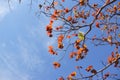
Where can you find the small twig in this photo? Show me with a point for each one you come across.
(101, 70)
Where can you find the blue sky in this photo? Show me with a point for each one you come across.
(23, 46)
(23, 49)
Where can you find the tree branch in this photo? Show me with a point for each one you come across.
(101, 70)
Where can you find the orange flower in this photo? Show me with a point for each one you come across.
(97, 25)
(68, 36)
(56, 64)
(63, 0)
(49, 34)
(73, 74)
(60, 11)
(60, 38)
(93, 71)
(118, 3)
(109, 38)
(66, 10)
(74, 34)
(59, 27)
(80, 50)
(72, 54)
(48, 27)
(78, 41)
(77, 47)
(69, 18)
(110, 59)
(69, 77)
(54, 17)
(60, 45)
(50, 47)
(79, 57)
(89, 68)
(107, 1)
(106, 75)
(84, 46)
(55, 3)
(51, 22)
(51, 51)
(49, 30)
(115, 8)
(61, 78)
(55, 12)
(117, 55)
(78, 67)
(82, 2)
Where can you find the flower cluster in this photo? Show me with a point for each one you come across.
(51, 51)
(60, 41)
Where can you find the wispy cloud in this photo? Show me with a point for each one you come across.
(18, 65)
(29, 54)
(22, 55)
(4, 9)
(9, 71)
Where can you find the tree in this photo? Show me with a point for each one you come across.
(80, 24)
(83, 14)
(89, 16)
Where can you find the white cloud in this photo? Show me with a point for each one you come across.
(23, 56)
(4, 9)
